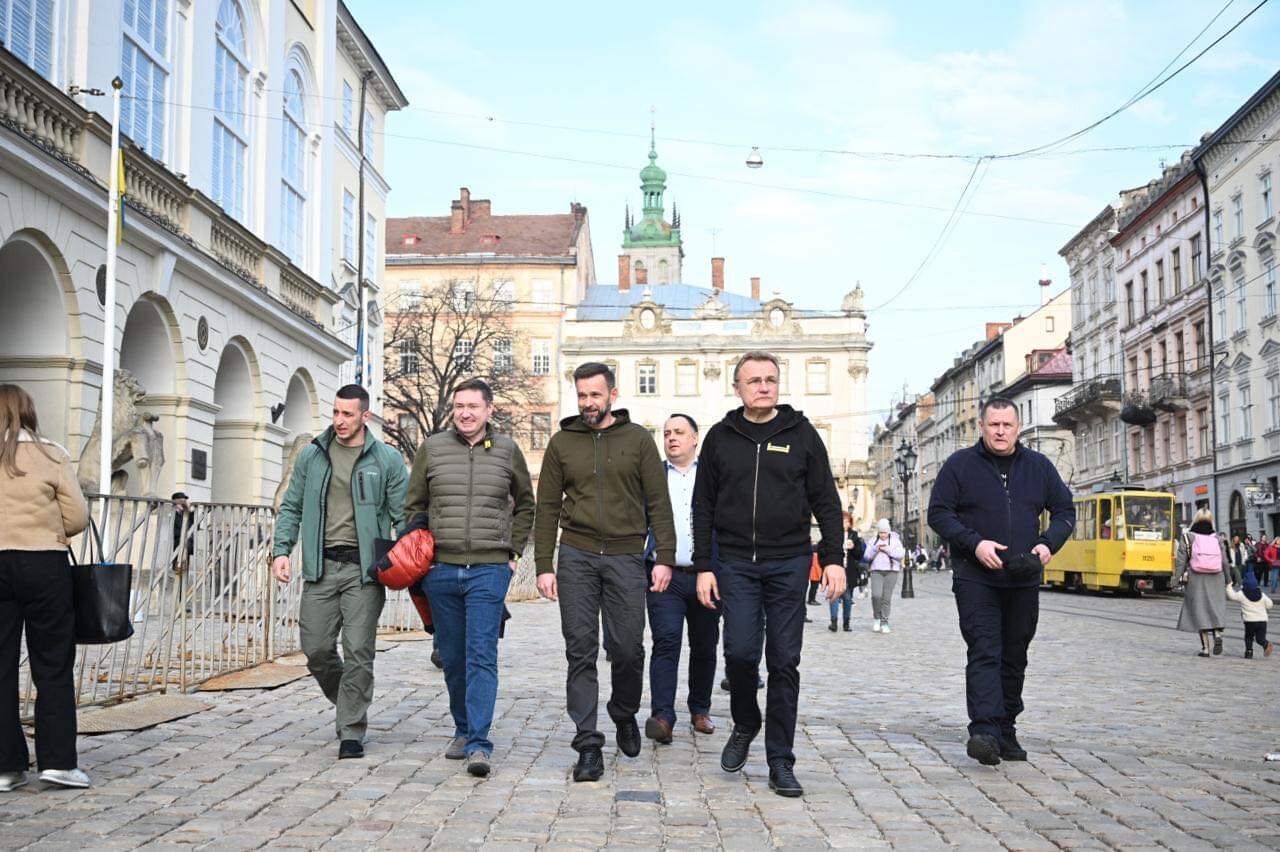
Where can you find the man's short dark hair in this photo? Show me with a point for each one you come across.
(997, 402)
(355, 392)
(591, 369)
(178, 495)
(693, 424)
(476, 385)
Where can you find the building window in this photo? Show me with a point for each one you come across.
(1182, 447)
(1048, 324)
(1179, 360)
(26, 29)
(816, 377)
(503, 361)
(410, 361)
(647, 379)
(1242, 310)
(542, 357)
(1217, 229)
(348, 108)
(348, 227)
(1166, 444)
(686, 379)
(1269, 304)
(1146, 305)
(504, 294)
(1175, 260)
(408, 427)
(1237, 215)
(144, 67)
(410, 296)
(464, 296)
(1195, 258)
(1099, 444)
(1221, 298)
(1246, 412)
(1265, 188)
(540, 431)
(1128, 301)
(1201, 343)
(1117, 441)
(293, 192)
(230, 136)
(1224, 418)
(1273, 403)
(541, 291)
(1092, 295)
(1202, 431)
(370, 245)
(462, 351)
(366, 142)
(1159, 282)
(1108, 285)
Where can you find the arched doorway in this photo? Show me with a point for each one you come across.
(34, 341)
(235, 428)
(300, 411)
(147, 353)
(1236, 516)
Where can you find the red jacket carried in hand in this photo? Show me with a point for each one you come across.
(406, 563)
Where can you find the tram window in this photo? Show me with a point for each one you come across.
(1104, 519)
(1148, 518)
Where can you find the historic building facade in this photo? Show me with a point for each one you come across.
(229, 305)
(1159, 263)
(1241, 176)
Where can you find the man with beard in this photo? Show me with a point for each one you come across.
(603, 484)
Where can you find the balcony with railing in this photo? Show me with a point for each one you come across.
(1169, 392)
(1088, 399)
(52, 122)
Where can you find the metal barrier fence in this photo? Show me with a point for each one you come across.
(203, 602)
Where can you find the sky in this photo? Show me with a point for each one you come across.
(535, 106)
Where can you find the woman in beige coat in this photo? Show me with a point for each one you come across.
(41, 507)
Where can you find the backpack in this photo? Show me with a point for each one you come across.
(1206, 554)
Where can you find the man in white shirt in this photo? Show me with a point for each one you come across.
(673, 600)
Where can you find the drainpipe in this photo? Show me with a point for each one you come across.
(360, 230)
(1213, 387)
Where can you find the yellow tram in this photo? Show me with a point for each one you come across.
(1123, 541)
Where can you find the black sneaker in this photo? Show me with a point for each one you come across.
(1248, 655)
(590, 765)
(724, 684)
(985, 749)
(734, 756)
(783, 781)
(832, 628)
(1217, 645)
(1010, 748)
(350, 748)
(629, 737)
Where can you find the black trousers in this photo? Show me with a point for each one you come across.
(1255, 631)
(35, 591)
(997, 624)
(764, 604)
(669, 611)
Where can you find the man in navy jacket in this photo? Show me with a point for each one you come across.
(986, 503)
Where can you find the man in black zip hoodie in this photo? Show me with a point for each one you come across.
(986, 504)
(763, 475)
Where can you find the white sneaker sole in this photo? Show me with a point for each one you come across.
(65, 782)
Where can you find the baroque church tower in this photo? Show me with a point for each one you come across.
(653, 244)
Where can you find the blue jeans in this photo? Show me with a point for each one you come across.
(845, 600)
(668, 612)
(466, 608)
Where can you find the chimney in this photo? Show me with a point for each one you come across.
(642, 274)
(479, 207)
(755, 288)
(460, 212)
(1045, 284)
(994, 329)
(624, 273)
(717, 273)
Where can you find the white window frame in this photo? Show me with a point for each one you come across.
(410, 298)
(504, 293)
(230, 190)
(463, 355)
(145, 68)
(503, 355)
(1264, 186)
(1217, 228)
(1237, 214)
(368, 133)
(410, 357)
(1224, 418)
(647, 379)
(1242, 308)
(464, 296)
(348, 108)
(293, 164)
(1273, 402)
(541, 357)
(33, 43)
(349, 228)
(686, 378)
(370, 245)
(1246, 412)
(817, 376)
(542, 293)
(1269, 270)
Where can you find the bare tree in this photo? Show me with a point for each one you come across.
(439, 338)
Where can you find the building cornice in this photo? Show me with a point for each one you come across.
(353, 39)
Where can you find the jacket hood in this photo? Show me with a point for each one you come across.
(787, 416)
(1250, 587)
(576, 424)
(1202, 528)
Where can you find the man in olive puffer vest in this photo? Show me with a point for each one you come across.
(474, 486)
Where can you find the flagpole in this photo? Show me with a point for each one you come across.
(114, 200)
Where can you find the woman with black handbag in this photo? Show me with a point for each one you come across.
(42, 507)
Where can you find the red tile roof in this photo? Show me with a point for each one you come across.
(1059, 364)
(546, 235)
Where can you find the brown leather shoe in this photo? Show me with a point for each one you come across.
(701, 722)
(658, 730)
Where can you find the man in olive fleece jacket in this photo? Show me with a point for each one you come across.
(603, 484)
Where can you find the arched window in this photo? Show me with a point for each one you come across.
(26, 29)
(293, 171)
(230, 134)
(144, 67)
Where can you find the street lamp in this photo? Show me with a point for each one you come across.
(905, 462)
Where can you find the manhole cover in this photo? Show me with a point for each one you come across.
(265, 676)
(145, 712)
(652, 796)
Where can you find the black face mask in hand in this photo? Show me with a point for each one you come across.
(1024, 566)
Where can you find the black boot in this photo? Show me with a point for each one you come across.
(832, 628)
(847, 628)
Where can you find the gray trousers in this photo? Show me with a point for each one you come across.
(592, 587)
(882, 585)
(339, 604)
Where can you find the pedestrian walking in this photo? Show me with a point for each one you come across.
(854, 550)
(347, 490)
(42, 507)
(473, 486)
(603, 484)
(941, 560)
(815, 578)
(854, 547)
(763, 475)
(1273, 564)
(1202, 566)
(884, 556)
(986, 504)
(672, 600)
(1240, 557)
(1253, 612)
(184, 540)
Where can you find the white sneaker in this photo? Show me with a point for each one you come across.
(65, 777)
(12, 781)
(875, 625)
(884, 628)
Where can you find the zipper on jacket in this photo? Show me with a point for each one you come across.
(595, 469)
(471, 484)
(755, 491)
(1008, 496)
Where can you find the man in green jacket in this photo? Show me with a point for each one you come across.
(473, 484)
(347, 489)
(604, 485)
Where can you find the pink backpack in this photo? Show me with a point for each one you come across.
(1206, 555)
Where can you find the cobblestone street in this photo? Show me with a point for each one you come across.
(1135, 743)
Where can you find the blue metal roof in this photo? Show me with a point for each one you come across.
(605, 302)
